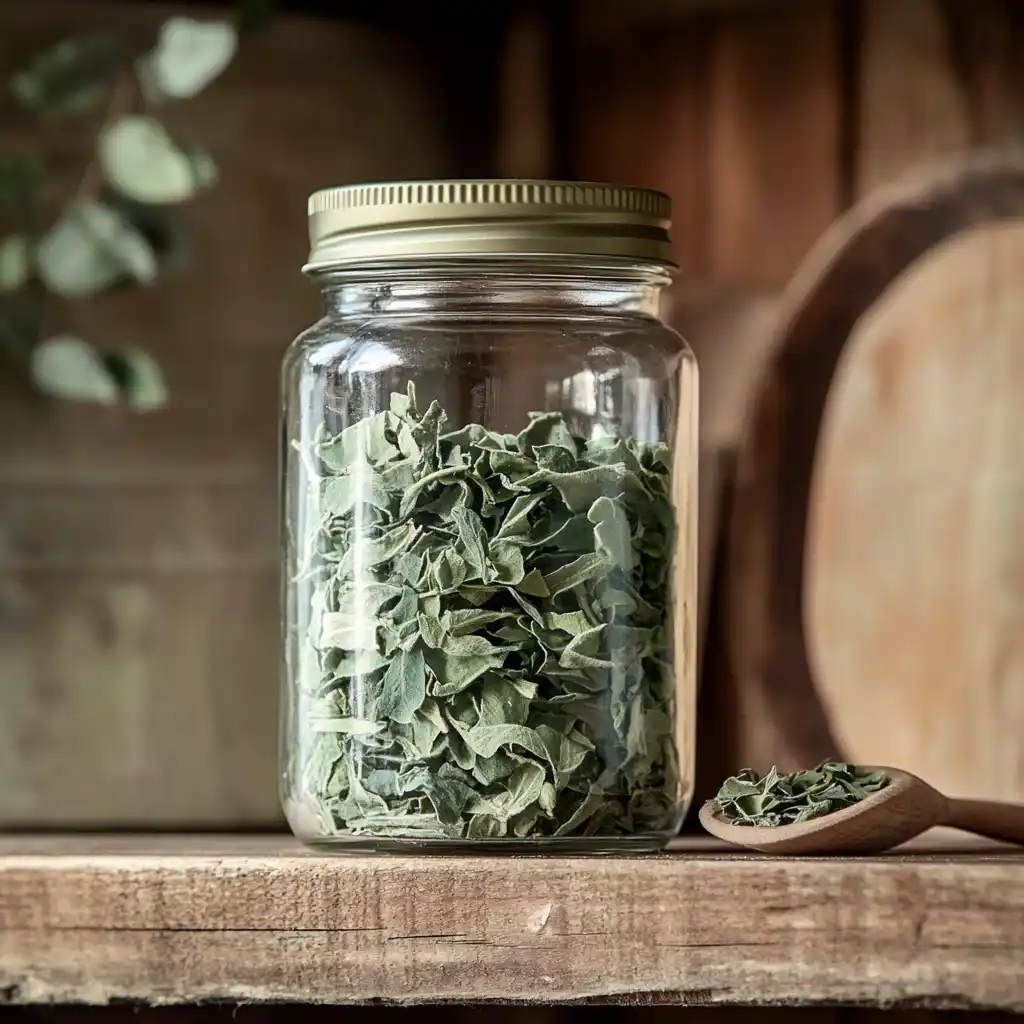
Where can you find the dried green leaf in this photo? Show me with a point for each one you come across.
(461, 661)
(613, 533)
(580, 570)
(448, 795)
(484, 826)
(349, 726)
(770, 800)
(405, 687)
(498, 604)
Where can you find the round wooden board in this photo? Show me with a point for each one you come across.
(873, 606)
(915, 558)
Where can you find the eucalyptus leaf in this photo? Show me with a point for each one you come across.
(90, 248)
(189, 54)
(141, 161)
(203, 167)
(71, 76)
(67, 367)
(158, 225)
(138, 377)
(499, 605)
(14, 262)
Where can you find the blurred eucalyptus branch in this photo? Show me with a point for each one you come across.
(116, 227)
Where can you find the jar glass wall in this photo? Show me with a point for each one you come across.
(488, 525)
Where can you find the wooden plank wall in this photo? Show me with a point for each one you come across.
(737, 115)
(138, 554)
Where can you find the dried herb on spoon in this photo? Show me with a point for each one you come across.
(770, 800)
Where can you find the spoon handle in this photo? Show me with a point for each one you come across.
(988, 818)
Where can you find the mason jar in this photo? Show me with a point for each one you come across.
(489, 455)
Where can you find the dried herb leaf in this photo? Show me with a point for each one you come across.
(488, 628)
(769, 800)
(405, 687)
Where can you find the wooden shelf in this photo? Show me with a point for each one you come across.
(181, 919)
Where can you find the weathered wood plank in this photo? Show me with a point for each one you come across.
(172, 920)
(936, 78)
(640, 118)
(134, 696)
(610, 17)
(181, 525)
(775, 180)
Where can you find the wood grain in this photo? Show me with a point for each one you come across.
(167, 921)
(138, 554)
(729, 329)
(936, 78)
(640, 118)
(526, 142)
(916, 564)
(775, 181)
(609, 17)
(736, 114)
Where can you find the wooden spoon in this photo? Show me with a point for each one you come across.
(906, 807)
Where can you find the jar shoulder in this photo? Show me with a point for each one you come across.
(333, 340)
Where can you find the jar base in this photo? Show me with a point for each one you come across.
(569, 846)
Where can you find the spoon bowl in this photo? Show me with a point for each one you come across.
(905, 808)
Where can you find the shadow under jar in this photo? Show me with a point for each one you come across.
(489, 453)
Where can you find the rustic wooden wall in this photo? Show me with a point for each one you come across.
(138, 555)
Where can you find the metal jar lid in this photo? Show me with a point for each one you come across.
(502, 217)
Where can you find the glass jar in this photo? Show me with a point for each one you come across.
(489, 452)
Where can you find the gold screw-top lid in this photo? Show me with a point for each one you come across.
(395, 220)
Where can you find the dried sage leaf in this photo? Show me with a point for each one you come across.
(770, 800)
(487, 636)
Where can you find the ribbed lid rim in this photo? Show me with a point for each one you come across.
(387, 220)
